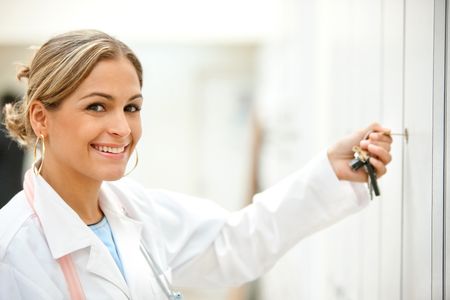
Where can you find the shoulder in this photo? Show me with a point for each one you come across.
(135, 198)
(13, 217)
(182, 225)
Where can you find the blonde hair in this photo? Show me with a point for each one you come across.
(57, 69)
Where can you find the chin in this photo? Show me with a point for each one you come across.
(112, 178)
(111, 175)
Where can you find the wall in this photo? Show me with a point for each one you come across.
(337, 66)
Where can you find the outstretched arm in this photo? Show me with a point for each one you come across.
(250, 241)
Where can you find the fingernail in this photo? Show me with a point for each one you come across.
(364, 144)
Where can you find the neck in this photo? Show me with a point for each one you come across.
(79, 192)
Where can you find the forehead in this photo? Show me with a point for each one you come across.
(112, 74)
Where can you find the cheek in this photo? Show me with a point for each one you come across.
(136, 130)
(60, 130)
(71, 134)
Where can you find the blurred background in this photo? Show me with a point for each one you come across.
(238, 94)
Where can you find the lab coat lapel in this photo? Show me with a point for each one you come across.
(66, 233)
(102, 264)
(127, 235)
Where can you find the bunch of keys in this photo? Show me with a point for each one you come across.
(362, 160)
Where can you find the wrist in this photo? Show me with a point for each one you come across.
(333, 162)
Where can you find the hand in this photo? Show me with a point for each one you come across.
(377, 144)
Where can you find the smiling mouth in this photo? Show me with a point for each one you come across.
(112, 150)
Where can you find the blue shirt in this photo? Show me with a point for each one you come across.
(104, 233)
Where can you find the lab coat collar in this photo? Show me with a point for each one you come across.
(127, 235)
(54, 213)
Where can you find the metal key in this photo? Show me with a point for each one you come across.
(373, 184)
(362, 159)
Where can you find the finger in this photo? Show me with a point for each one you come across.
(379, 153)
(380, 167)
(374, 128)
(365, 144)
(379, 136)
(377, 127)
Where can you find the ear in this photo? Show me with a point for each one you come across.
(38, 118)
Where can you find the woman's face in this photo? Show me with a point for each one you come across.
(93, 132)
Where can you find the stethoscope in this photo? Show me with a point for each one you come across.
(160, 276)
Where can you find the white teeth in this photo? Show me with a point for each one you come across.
(109, 149)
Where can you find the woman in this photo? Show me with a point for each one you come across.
(81, 230)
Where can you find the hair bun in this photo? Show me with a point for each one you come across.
(24, 72)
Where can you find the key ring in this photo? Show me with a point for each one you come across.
(362, 159)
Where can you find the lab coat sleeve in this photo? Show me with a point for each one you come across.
(251, 240)
(14, 285)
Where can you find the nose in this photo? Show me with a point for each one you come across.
(119, 125)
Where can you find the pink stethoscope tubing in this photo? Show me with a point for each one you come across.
(70, 274)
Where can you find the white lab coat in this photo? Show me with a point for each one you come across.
(195, 242)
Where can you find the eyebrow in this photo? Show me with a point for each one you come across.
(108, 97)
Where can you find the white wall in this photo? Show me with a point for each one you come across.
(337, 66)
(10, 59)
(23, 21)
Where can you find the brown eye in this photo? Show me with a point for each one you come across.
(132, 108)
(96, 107)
